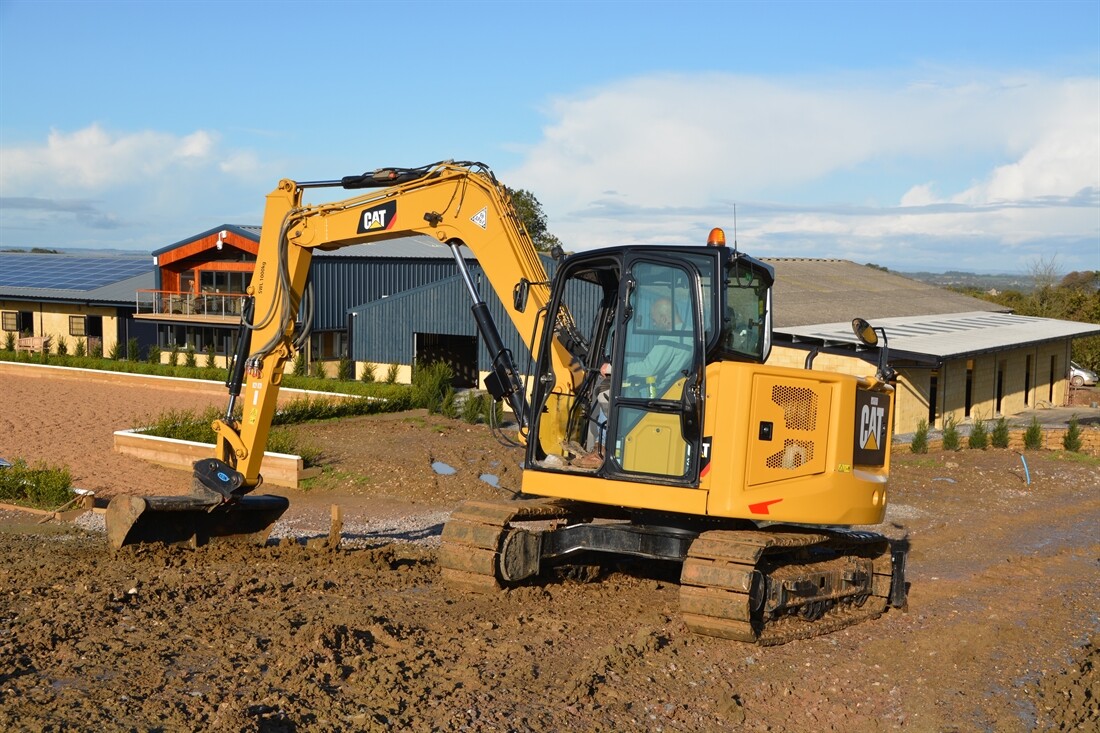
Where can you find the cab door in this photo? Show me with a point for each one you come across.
(657, 373)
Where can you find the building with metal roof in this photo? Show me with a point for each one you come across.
(69, 297)
(955, 355)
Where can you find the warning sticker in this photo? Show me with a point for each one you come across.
(481, 218)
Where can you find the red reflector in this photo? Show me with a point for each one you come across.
(762, 507)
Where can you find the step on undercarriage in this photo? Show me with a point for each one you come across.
(766, 586)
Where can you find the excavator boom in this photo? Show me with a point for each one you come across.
(453, 203)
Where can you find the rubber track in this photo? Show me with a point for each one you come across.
(469, 555)
(717, 576)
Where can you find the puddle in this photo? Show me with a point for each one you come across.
(442, 468)
(490, 479)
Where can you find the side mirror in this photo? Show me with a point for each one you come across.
(519, 295)
(865, 332)
(868, 336)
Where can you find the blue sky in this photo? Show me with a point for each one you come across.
(920, 136)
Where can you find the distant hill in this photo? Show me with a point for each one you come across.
(984, 283)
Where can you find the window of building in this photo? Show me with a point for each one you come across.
(1027, 381)
(179, 337)
(78, 326)
(328, 345)
(19, 321)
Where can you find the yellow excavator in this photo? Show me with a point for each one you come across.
(652, 427)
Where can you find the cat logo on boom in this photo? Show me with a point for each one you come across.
(378, 218)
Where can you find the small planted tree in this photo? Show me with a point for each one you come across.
(115, 353)
(431, 385)
(368, 372)
(950, 433)
(9, 341)
(133, 351)
(153, 354)
(345, 369)
(299, 367)
(81, 348)
(174, 356)
(211, 357)
(391, 374)
(1033, 436)
(189, 360)
(920, 438)
(62, 346)
(999, 436)
(979, 436)
(1071, 441)
(473, 409)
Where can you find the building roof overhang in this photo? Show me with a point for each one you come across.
(942, 337)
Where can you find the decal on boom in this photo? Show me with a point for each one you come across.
(378, 218)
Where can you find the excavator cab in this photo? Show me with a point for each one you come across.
(656, 316)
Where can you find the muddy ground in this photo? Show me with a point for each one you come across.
(1002, 631)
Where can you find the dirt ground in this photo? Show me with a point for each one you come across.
(1002, 631)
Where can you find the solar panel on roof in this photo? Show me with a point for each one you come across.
(68, 272)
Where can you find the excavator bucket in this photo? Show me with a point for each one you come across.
(191, 520)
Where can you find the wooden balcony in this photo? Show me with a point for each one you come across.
(171, 305)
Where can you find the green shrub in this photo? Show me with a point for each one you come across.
(345, 369)
(95, 347)
(920, 438)
(368, 372)
(391, 374)
(211, 357)
(1071, 441)
(473, 409)
(62, 346)
(299, 367)
(189, 360)
(317, 370)
(153, 354)
(1033, 436)
(115, 353)
(431, 384)
(9, 341)
(43, 486)
(999, 437)
(979, 436)
(281, 440)
(448, 406)
(81, 348)
(133, 350)
(183, 424)
(174, 356)
(950, 433)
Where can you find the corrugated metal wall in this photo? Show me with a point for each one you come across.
(342, 283)
(383, 331)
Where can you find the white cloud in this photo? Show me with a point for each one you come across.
(662, 158)
(93, 159)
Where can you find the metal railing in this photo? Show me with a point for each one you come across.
(172, 302)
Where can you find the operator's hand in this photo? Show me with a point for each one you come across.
(605, 370)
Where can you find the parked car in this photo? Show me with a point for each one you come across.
(1081, 377)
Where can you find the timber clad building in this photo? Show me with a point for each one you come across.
(402, 302)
